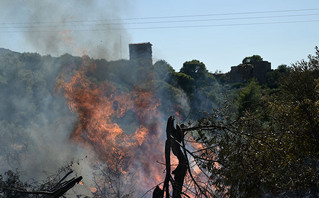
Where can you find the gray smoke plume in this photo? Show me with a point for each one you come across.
(76, 26)
(35, 122)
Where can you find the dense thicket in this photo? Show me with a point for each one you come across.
(264, 140)
(35, 119)
(269, 146)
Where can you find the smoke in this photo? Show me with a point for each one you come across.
(34, 121)
(41, 118)
(76, 27)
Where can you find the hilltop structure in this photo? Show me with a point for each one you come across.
(141, 53)
(245, 72)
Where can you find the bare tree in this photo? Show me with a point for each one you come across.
(184, 181)
(55, 186)
(112, 180)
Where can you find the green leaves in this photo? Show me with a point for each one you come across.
(249, 98)
(194, 69)
(271, 147)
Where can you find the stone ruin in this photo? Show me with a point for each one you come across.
(245, 72)
(141, 53)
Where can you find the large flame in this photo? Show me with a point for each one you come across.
(123, 129)
(103, 112)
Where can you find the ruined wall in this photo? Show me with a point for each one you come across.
(245, 72)
(240, 73)
(260, 70)
(141, 53)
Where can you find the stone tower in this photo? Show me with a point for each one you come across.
(260, 71)
(141, 53)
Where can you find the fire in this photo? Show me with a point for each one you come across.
(92, 189)
(122, 128)
(101, 110)
(140, 135)
(200, 174)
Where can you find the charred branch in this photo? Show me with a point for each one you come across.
(173, 141)
(158, 192)
(169, 128)
(181, 169)
(58, 190)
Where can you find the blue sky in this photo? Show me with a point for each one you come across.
(218, 33)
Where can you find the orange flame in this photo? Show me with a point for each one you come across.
(121, 127)
(92, 189)
(101, 109)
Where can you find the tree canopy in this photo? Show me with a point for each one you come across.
(194, 69)
(274, 151)
(252, 59)
(257, 140)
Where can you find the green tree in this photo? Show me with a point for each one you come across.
(252, 59)
(275, 76)
(163, 70)
(248, 99)
(194, 69)
(186, 82)
(272, 154)
(200, 86)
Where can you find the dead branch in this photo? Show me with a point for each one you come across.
(58, 190)
(181, 169)
(173, 141)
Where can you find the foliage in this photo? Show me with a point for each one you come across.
(252, 59)
(186, 82)
(275, 76)
(248, 98)
(267, 146)
(27, 100)
(201, 87)
(194, 69)
(271, 153)
(163, 70)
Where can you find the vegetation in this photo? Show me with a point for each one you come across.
(269, 147)
(53, 186)
(252, 59)
(263, 141)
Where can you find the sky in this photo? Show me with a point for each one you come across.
(218, 33)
